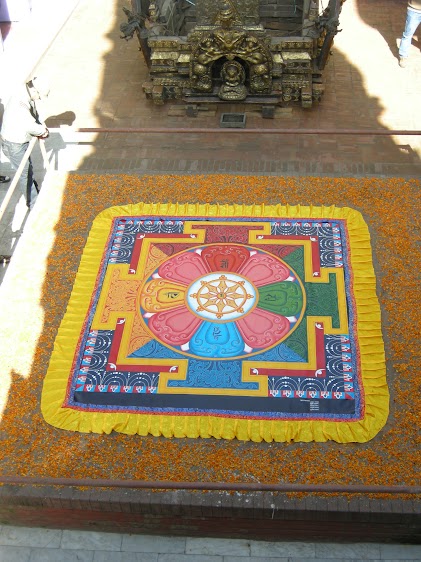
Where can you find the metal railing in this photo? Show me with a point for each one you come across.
(216, 486)
(253, 131)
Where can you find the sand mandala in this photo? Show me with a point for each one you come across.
(260, 323)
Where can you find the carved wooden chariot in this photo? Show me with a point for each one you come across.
(264, 52)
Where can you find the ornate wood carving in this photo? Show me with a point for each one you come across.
(231, 44)
(246, 11)
(234, 50)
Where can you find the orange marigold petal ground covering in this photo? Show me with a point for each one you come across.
(389, 206)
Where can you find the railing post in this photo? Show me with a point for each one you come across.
(44, 154)
(18, 174)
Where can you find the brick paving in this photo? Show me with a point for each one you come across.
(99, 77)
(365, 89)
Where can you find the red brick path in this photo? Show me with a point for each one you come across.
(100, 77)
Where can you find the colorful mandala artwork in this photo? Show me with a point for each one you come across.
(260, 323)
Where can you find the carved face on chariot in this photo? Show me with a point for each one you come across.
(232, 73)
(233, 77)
(226, 15)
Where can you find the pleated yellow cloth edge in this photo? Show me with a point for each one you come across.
(367, 316)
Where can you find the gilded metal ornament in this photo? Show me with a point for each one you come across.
(268, 52)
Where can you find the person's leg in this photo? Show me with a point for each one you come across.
(29, 183)
(15, 153)
(413, 20)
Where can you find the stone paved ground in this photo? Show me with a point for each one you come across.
(19, 544)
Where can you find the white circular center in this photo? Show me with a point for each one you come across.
(221, 296)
